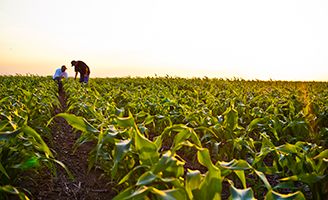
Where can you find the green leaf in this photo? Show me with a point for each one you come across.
(124, 194)
(140, 193)
(3, 99)
(169, 165)
(98, 147)
(78, 123)
(172, 194)
(230, 118)
(305, 178)
(264, 179)
(12, 190)
(272, 195)
(70, 175)
(211, 186)
(238, 166)
(193, 180)
(121, 148)
(149, 119)
(9, 189)
(241, 176)
(181, 137)
(323, 154)
(235, 165)
(254, 124)
(287, 148)
(126, 122)
(286, 185)
(164, 162)
(40, 143)
(3, 170)
(146, 178)
(204, 158)
(238, 194)
(126, 177)
(29, 163)
(175, 169)
(9, 134)
(146, 149)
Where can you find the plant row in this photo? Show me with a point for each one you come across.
(174, 138)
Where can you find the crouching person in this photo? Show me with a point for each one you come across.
(59, 75)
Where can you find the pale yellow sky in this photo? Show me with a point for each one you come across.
(254, 39)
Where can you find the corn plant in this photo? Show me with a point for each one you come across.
(272, 129)
(26, 105)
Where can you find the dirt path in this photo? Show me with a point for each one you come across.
(85, 185)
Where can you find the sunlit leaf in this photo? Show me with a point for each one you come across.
(305, 178)
(272, 195)
(40, 143)
(9, 134)
(241, 194)
(78, 123)
(146, 178)
(121, 148)
(146, 149)
(235, 165)
(193, 180)
(172, 194)
(29, 163)
(323, 154)
(264, 179)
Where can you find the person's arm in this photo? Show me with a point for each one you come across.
(64, 75)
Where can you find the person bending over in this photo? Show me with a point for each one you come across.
(83, 69)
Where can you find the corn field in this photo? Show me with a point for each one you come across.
(173, 138)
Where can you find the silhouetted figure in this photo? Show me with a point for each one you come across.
(83, 69)
(59, 75)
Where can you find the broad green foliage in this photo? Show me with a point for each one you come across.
(175, 138)
(27, 103)
(159, 137)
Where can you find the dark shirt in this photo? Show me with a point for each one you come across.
(81, 67)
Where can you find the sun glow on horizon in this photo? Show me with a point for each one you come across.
(280, 40)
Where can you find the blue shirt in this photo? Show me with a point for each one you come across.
(59, 73)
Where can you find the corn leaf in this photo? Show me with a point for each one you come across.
(272, 195)
(172, 194)
(125, 122)
(263, 178)
(323, 154)
(244, 194)
(235, 165)
(9, 189)
(131, 173)
(40, 143)
(3, 170)
(305, 178)
(78, 123)
(147, 178)
(193, 180)
(121, 148)
(146, 149)
(9, 134)
(211, 186)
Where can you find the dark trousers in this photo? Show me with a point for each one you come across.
(84, 78)
(60, 84)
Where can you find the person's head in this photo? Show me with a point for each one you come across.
(73, 63)
(63, 68)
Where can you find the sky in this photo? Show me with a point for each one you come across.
(253, 39)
